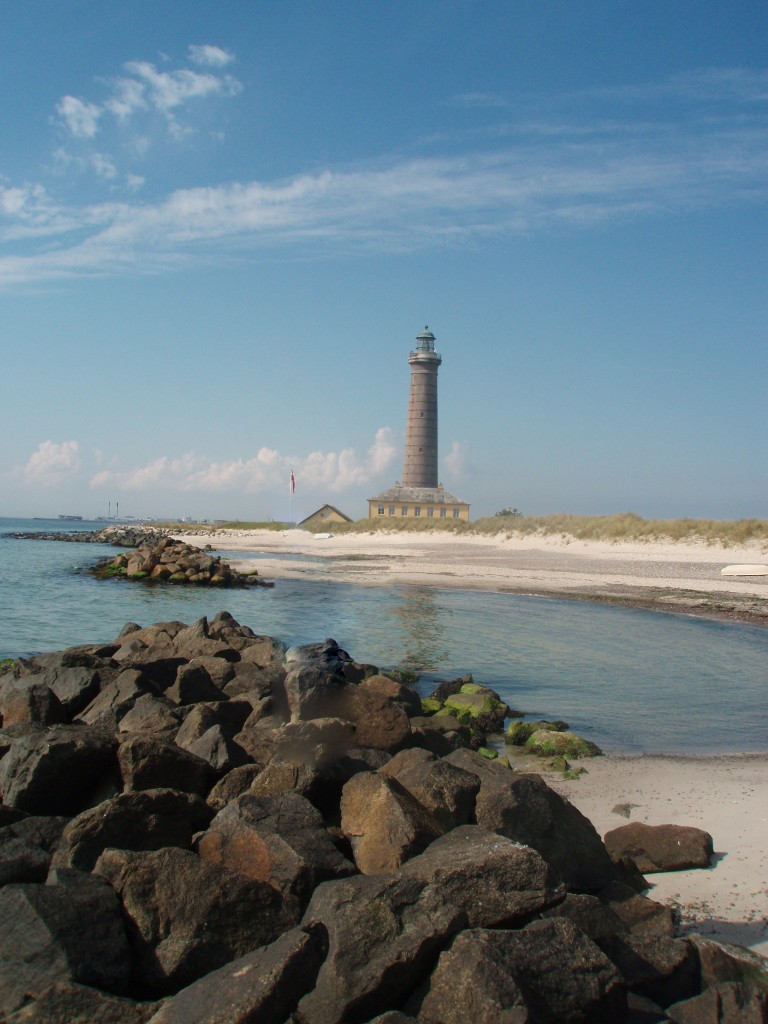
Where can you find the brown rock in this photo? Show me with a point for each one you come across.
(660, 847)
(384, 823)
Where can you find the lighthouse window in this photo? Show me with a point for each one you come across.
(455, 513)
(417, 511)
(404, 510)
(381, 510)
(442, 513)
(430, 513)
(391, 510)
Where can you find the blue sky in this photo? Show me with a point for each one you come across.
(223, 224)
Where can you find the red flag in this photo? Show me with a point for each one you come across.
(293, 482)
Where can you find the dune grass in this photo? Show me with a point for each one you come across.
(627, 526)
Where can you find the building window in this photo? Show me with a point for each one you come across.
(417, 511)
(455, 513)
(381, 510)
(442, 513)
(430, 513)
(391, 510)
(404, 510)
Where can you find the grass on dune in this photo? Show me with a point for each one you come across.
(627, 526)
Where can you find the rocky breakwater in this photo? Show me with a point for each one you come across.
(165, 560)
(198, 829)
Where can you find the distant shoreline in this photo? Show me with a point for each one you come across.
(682, 578)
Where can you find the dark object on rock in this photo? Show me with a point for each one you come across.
(660, 847)
(262, 987)
(51, 933)
(147, 820)
(549, 969)
(326, 656)
(384, 933)
(186, 917)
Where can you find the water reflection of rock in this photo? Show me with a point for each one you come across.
(423, 623)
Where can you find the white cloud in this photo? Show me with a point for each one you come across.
(455, 461)
(145, 89)
(80, 117)
(51, 463)
(210, 56)
(267, 470)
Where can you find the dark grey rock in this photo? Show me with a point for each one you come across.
(384, 934)
(262, 987)
(146, 820)
(149, 762)
(185, 917)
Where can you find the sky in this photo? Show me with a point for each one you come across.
(222, 226)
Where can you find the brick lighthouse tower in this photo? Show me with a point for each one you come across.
(420, 458)
(420, 496)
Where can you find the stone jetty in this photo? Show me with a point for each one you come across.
(198, 827)
(156, 557)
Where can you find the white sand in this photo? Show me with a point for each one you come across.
(726, 796)
(520, 564)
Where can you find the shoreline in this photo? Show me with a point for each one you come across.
(666, 577)
(727, 796)
(724, 794)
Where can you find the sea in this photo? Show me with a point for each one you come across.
(630, 680)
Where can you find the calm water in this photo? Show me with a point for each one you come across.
(630, 680)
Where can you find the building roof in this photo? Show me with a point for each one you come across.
(419, 495)
(330, 508)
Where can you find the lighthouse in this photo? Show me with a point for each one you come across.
(420, 495)
(420, 455)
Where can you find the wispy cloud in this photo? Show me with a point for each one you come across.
(540, 172)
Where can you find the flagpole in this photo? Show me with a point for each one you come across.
(291, 489)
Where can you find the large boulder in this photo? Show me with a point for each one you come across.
(523, 807)
(497, 882)
(146, 820)
(725, 1003)
(447, 792)
(29, 700)
(66, 1002)
(384, 934)
(384, 823)
(149, 762)
(660, 847)
(545, 973)
(280, 840)
(53, 933)
(186, 917)
(60, 770)
(262, 987)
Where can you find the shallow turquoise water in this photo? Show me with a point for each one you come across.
(630, 680)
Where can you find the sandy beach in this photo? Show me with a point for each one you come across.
(671, 577)
(726, 796)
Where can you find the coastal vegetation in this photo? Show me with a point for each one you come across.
(623, 527)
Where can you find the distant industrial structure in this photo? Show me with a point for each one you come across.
(420, 495)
